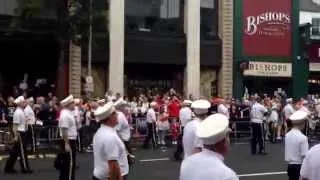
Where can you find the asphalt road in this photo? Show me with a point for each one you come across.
(157, 165)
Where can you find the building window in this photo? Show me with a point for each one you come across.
(315, 27)
(209, 19)
(159, 16)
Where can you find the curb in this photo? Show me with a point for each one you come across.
(40, 156)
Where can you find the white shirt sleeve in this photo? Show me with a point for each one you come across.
(304, 172)
(304, 147)
(17, 118)
(112, 152)
(64, 122)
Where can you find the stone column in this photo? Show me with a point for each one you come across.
(225, 81)
(192, 73)
(74, 69)
(116, 34)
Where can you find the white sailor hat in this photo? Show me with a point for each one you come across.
(120, 102)
(305, 102)
(289, 100)
(104, 111)
(31, 99)
(77, 101)
(213, 129)
(298, 116)
(101, 101)
(153, 104)
(68, 100)
(187, 102)
(200, 106)
(19, 99)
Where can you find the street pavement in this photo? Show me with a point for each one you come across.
(157, 165)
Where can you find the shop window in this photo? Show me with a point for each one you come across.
(209, 19)
(315, 27)
(160, 16)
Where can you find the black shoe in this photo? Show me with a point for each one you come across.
(12, 171)
(263, 153)
(27, 171)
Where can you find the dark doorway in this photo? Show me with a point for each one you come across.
(35, 55)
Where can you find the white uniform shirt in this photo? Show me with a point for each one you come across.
(311, 164)
(107, 146)
(305, 109)
(222, 109)
(123, 127)
(19, 118)
(77, 116)
(206, 165)
(67, 120)
(185, 115)
(31, 118)
(296, 146)
(257, 113)
(288, 111)
(151, 116)
(190, 140)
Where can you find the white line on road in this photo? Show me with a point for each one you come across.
(263, 174)
(152, 160)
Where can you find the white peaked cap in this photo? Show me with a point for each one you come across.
(289, 100)
(68, 100)
(153, 104)
(298, 116)
(187, 102)
(31, 99)
(77, 101)
(104, 111)
(120, 102)
(213, 129)
(200, 106)
(19, 99)
(101, 101)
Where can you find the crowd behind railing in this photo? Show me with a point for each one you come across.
(46, 115)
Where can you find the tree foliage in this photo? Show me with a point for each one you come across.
(74, 21)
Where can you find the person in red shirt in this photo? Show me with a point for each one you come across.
(174, 108)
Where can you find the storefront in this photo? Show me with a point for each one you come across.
(264, 46)
(314, 68)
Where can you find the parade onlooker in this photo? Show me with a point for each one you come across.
(163, 126)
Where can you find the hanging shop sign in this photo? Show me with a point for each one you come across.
(267, 28)
(268, 69)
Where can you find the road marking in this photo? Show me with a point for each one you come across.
(263, 174)
(40, 156)
(153, 160)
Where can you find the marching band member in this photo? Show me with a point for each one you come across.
(20, 128)
(258, 112)
(288, 111)
(110, 155)
(191, 143)
(296, 144)
(69, 133)
(208, 164)
(31, 120)
(185, 116)
(123, 127)
(151, 123)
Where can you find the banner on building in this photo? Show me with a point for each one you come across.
(267, 28)
(268, 69)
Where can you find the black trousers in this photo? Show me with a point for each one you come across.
(151, 135)
(32, 138)
(66, 161)
(257, 137)
(19, 149)
(294, 171)
(179, 150)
